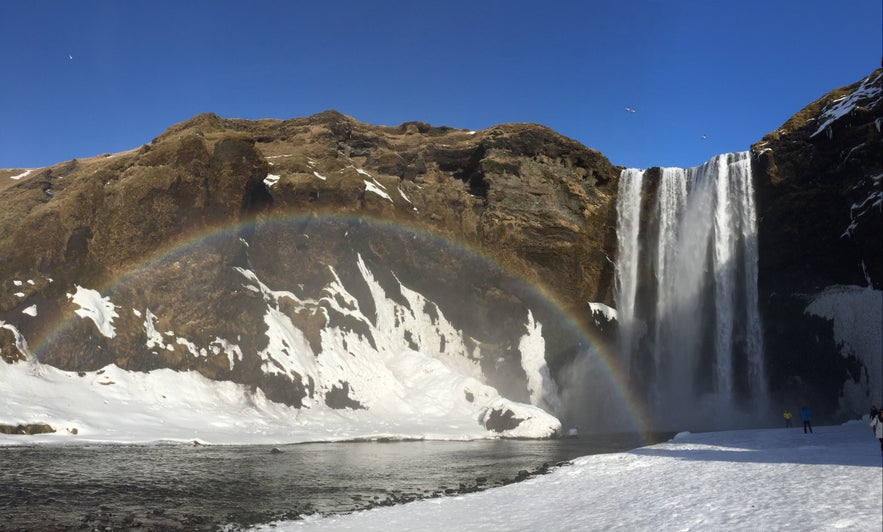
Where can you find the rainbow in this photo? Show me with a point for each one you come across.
(613, 372)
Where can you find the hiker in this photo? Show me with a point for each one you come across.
(874, 412)
(806, 422)
(787, 416)
(877, 427)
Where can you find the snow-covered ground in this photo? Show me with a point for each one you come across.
(770, 479)
(114, 405)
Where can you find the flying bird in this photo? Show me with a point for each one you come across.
(704, 136)
(630, 109)
(70, 57)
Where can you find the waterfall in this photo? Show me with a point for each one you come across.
(686, 288)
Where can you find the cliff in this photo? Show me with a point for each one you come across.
(269, 253)
(818, 183)
(190, 238)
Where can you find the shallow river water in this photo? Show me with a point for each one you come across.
(202, 487)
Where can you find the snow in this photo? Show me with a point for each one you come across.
(736, 480)
(118, 406)
(287, 351)
(373, 187)
(16, 282)
(411, 372)
(30, 311)
(769, 479)
(609, 313)
(404, 197)
(154, 337)
(221, 345)
(21, 175)
(21, 344)
(320, 176)
(194, 350)
(542, 388)
(856, 314)
(874, 200)
(271, 179)
(99, 309)
(842, 106)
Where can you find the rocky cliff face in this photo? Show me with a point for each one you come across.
(818, 183)
(187, 237)
(189, 252)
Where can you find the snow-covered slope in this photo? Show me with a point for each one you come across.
(404, 372)
(774, 479)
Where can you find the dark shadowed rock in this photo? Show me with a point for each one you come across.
(500, 420)
(818, 188)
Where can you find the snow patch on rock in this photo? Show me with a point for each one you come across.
(98, 309)
(868, 93)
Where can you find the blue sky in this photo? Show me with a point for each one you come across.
(733, 70)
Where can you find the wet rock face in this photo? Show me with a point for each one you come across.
(819, 219)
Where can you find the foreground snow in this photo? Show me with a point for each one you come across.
(772, 479)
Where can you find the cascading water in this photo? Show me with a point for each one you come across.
(686, 290)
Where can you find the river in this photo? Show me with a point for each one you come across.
(204, 487)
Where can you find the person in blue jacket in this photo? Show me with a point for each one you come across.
(807, 424)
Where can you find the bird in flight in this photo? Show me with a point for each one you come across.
(704, 136)
(630, 109)
(70, 57)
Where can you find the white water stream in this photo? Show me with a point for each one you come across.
(686, 288)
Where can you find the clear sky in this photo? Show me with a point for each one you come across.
(731, 70)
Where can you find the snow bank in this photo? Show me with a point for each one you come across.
(856, 313)
(114, 405)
